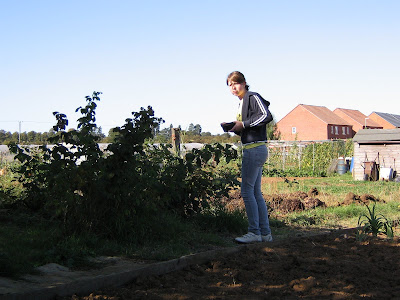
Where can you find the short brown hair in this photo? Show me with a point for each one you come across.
(238, 77)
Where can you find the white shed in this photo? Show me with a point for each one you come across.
(376, 154)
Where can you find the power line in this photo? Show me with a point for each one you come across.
(16, 121)
(19, 125)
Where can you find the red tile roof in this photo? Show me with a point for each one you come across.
(358, 117)
(324, 114)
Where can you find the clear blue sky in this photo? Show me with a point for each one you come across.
(175, 56)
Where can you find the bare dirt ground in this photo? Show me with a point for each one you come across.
(338, 265)
(332, 266)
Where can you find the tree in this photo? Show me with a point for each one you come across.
(112, 136)
(51, 133)
(31, 137)
(44, 137)
(191, 128)
(2, 136)
(197, 129)
(98, 133)
(272, 133)
(14, 137)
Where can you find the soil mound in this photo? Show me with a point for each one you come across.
(352, 198)
(313, 192)
(290, 205)
(284, 203)
(300, 195)
(310, 203)
(296, 201)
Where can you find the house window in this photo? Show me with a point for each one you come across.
(293, 130)
(348, 131)
(336, 130)
(331, 129)
(344, 130)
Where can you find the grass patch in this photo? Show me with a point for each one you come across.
(332, 191)
(340, 217)
(28, 241)
(338, 186)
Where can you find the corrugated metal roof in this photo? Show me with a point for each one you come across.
(391, 118)
(364, 136)
(358, 117)
(325, 115)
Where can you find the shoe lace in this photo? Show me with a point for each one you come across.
(249, 234)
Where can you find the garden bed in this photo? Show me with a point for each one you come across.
(334, 266)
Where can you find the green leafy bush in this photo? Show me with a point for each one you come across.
(112, 192)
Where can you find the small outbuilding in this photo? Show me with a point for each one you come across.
(376, 154)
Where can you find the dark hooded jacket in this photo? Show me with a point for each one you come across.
(255, 117)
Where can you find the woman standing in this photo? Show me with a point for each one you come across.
(252, 118)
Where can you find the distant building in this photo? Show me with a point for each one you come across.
(357, 119)
(386, 120)
(308, 122)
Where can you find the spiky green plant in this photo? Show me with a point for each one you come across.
(375, 223)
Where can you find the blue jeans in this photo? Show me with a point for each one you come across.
(252, 165)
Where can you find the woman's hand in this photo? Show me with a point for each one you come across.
(238, 127)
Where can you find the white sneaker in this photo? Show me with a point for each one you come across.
(267, 238)
(248, 238)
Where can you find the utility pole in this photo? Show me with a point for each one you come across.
(19, 132)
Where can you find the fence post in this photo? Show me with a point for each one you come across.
(313, 157)
(176, 140)
(299, 155)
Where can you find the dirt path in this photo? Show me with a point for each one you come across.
(334, 266)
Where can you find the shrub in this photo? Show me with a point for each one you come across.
(108, 193)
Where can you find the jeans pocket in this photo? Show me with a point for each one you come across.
(261, 155)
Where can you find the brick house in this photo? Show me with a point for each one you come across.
(387, 121)
(309, 122)
(357, 119)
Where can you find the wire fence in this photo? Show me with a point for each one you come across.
(306, 157)
(296, 158)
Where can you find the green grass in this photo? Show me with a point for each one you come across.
(339, 217)
(333, 190)
(28, 241)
